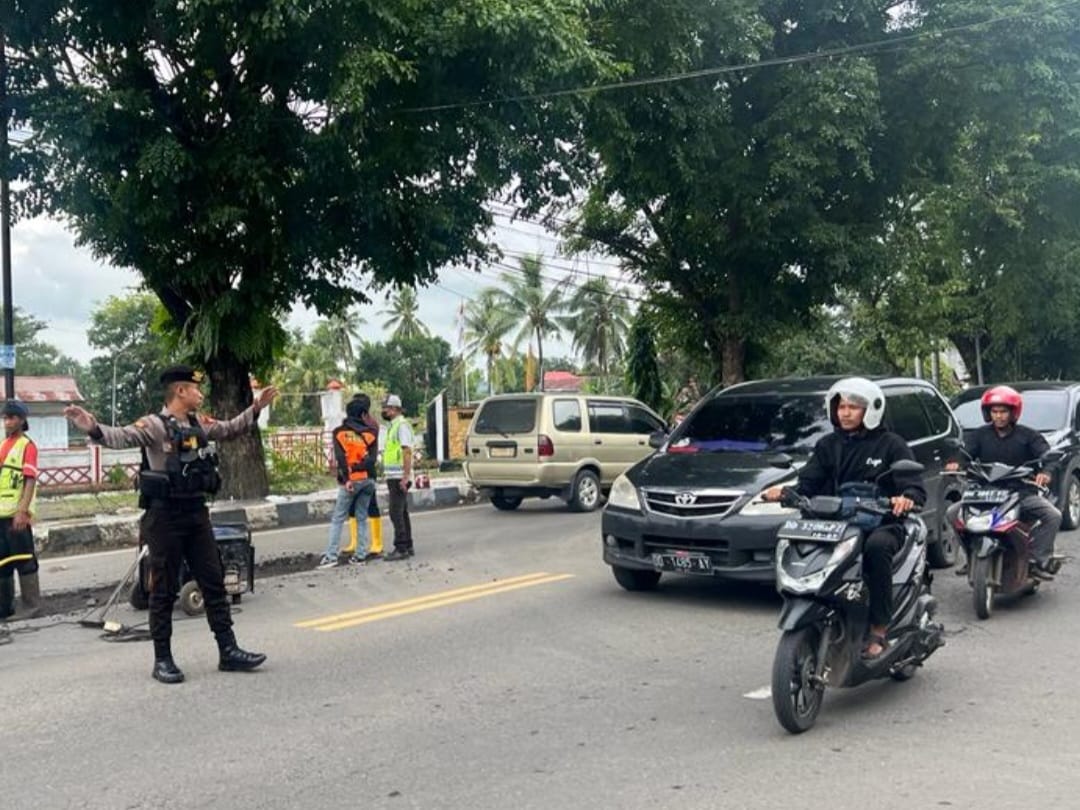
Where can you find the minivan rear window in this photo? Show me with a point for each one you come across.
(505, 416)
(752, 424)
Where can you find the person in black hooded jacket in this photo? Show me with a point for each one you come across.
(860, 450)
(356, 447)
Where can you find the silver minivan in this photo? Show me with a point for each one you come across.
(569, 445)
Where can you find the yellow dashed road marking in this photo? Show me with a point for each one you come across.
(341, 621)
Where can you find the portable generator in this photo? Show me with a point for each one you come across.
(237, 554)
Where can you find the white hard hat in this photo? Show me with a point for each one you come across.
(862, 392)
(393, 401)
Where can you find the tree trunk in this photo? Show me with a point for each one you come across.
(733, 360)
(243, 465)
(539, 361)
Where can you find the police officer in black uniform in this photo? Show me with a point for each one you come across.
(179, 474)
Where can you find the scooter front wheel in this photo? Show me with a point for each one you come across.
(983, 592)
(796, 696)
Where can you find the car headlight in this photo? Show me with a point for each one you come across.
(624, 495)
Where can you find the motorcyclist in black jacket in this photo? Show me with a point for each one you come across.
(1002, 439)
(860, 450)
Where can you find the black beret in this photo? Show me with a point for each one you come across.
(15, 408)
(175, 374)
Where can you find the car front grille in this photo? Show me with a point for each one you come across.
(688, 503)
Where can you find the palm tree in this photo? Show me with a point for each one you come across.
(343, 331)
(404, 321)
(598, 322)
(534, 308)
(485, 323)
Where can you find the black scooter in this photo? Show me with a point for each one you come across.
(826, 614)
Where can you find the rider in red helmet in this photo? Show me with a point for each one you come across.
(1006, 441)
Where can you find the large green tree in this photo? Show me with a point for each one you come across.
(742, 200)
(245, 154)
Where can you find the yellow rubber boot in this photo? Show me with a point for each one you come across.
(375, 532)
(354, 533)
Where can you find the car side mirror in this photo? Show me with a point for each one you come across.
(657, 439)
(781, 460)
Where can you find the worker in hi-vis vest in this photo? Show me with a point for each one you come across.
(397, 467)
(18, 502)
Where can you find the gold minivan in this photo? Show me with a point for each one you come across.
(569, 445)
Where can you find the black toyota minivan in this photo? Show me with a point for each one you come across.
(695, 506)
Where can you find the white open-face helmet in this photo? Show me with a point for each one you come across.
(861, 392)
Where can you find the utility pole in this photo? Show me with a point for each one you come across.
(7, 351)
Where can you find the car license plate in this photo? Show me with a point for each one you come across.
(502, 452)
(683, 561)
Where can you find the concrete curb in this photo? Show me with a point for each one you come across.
(107, 532)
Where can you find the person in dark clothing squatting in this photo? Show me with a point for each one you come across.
(859, 451)
(1005, 441)
(181, 473)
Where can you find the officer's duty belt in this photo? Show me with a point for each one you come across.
(177, 504)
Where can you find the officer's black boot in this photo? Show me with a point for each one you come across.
(234, 659)
(165, 669)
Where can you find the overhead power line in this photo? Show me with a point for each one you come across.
(812, 56)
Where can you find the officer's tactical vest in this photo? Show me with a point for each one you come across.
(190, 465)
(11, 479)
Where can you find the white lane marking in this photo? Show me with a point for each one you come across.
(763, 693)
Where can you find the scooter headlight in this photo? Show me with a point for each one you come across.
(811, 582)
(979, 523)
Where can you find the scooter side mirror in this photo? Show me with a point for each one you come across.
(781, 460)
(953, 443)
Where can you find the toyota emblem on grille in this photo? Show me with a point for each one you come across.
(685, 498)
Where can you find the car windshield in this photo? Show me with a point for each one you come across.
(754, 424)
(1043, 410)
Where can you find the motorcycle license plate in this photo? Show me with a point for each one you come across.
(983, 495)
(686, 562)
(822, 531)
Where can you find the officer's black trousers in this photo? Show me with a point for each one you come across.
(172, 534)
(878, 552)
(399, 515)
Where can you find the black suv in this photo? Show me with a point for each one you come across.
(1053, 409)
(695, 505)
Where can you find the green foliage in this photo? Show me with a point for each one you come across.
(485, 324)
(414, 368)
(291, 473)
(126, 331)
(534, 308)
(404, 317)
(598, 319)
(642, 371)
(116, 475)
(242, 157)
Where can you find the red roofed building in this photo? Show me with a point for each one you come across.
(46, 398)
(562, 381)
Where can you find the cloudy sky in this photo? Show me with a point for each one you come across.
(61, 284)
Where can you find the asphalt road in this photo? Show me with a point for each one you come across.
(503, 668)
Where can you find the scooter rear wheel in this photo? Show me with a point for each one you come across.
(983, 588)
(796, 698)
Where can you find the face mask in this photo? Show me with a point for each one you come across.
(386, 415)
